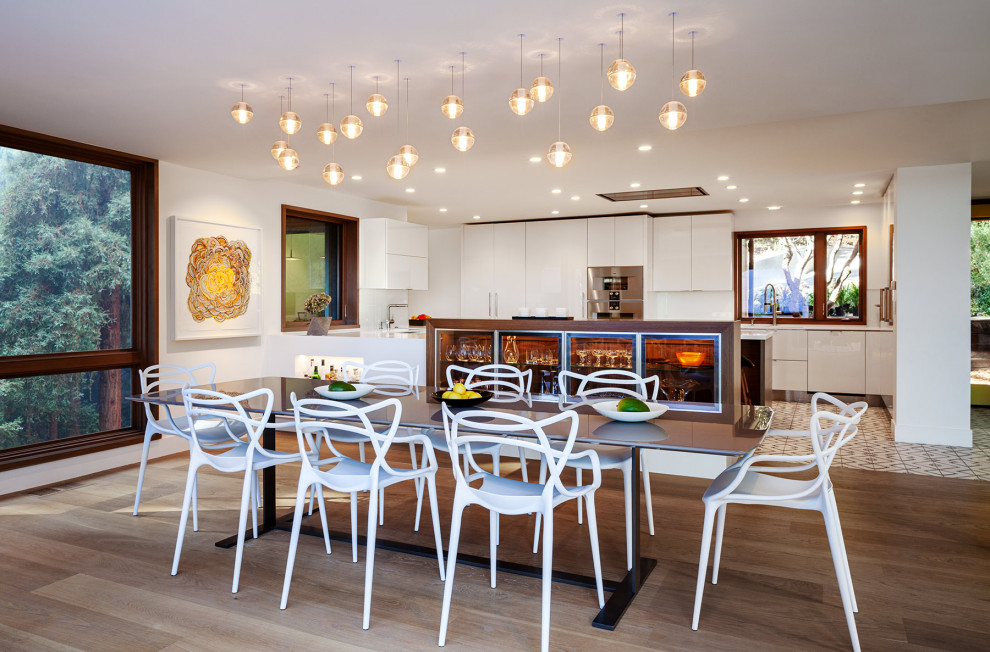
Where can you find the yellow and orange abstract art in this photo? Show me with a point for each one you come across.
(219, 279)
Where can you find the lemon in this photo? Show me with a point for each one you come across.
(340, 386)
(448, 394)
(471, 394)
(630, 404)
(460, 389)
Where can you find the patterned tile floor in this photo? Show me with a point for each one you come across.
(874, 447)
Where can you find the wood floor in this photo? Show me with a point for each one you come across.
(77, 571)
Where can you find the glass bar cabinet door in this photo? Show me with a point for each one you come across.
(688, 366)
(467, 349)
(540, 352)
(589, 352)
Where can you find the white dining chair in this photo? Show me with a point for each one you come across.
(163, 378)
(470, 429)
(603, 384)
(347, 475)
(745, 482)
(244, 455)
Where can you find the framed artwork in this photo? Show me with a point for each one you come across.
(214, 280)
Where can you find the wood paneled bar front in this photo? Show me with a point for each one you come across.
(698, 362)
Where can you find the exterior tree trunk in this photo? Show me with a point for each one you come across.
(110, 379)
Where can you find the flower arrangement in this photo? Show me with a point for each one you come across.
(317, 302)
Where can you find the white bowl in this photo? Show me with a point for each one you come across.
(607, 409)
(360, 389)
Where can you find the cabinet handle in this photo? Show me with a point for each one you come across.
(489, 304)
(584, 306)
(496, 305)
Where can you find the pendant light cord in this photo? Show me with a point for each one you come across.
(520, 66)
(452, 79)
(398, 100)
(333, 143)
(622, 28)
(352, 89)
(601, 47)
(692, 49)
(462, 75)
(407, 109)
(672, 70)
(558, 87)
(290, 93)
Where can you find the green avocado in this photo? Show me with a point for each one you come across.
(630, 404)
(340, 386)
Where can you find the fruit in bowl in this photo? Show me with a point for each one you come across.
(340, 386)
(461, 396)
(459, 391)
(631, 404)
(690, 358)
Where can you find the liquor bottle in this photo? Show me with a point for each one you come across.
(312, 363)
(316, 372)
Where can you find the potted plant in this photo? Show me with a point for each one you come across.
(315, 305)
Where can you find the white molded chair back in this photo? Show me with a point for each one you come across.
(391, 377)
(609, 382)
(493, 377)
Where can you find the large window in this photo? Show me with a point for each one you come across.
(77, 295)
(810, 275)
(319, 256)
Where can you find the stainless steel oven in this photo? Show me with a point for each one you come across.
(615, 292)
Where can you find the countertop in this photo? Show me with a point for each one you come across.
(394, 333)
(814, 327)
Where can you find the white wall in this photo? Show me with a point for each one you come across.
(931, 325)
(443, 299)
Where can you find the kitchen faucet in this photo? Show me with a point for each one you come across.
(771, 302)
(388, 311)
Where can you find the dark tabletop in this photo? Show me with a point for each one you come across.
(735, 431)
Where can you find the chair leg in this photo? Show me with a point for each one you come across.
(195, 505)
(455, 535)
(183, 519)
(144, 465)
(595, 555)
(835, 544)
(580, 503)
(706, 544)
(496, 457)
(830, 498)
(323, 513)
(522, 464)
(539, 515)
(431, 481)
(647, 491)
(294, 540)
(381, 507)
(492, 543)
(354, 525)
(419, 494)
(361, 450)
(547, 577)
(253, 505)
(369, 556)
(249, 480)
(312, 498)
(628, 489)
(719, 530)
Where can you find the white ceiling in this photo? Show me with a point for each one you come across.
(805, 98)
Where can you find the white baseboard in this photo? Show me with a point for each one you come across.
(933, 435)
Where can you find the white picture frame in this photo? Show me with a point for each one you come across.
(241, 320)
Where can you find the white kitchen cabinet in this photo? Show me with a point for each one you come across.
(617, 241)
(790, 344)
(493, 270)
(790, 374)
(692, 252)
(880, 363)
(790, 359)
(557, 266)
(837, 361)
(394, 255)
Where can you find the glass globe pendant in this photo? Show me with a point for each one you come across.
(541, 89)
(409, 155)
(377, 104)
(621, 74)
(397, 168)
(559, 154)
(602, 118)
(673, 115)
(351, 126)
(692, 82)
(290, 122)
(452, 107)
(279, 147)
(333, 174)
(242, 111)
(327, 133)
(521, 102)
(462, 139)
(288, 159)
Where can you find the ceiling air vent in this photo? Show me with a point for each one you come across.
(662, 193)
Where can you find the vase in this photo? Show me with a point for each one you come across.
(319, 326)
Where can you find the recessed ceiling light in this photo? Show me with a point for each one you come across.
(575, 197)
(443, 210)
(723, 178)
(645, 148)
(731, 187)
(476, 217)
(356, 177)
(855, 201)
(555, 212)
(644, 205)
(773, 208)
(744, 200)
(634, 185)
(535, 159)
(859, 185)
(857, 192)
(556, 191)
(410, 190)
(440, 170)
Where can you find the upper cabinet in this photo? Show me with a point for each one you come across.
(617, 241)
(692, 252)
(557, 266)
(493, 270)
(394, 255)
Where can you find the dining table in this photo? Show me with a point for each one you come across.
(733, 431)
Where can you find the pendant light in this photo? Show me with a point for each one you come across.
(692, 82)
(397, 167)
(242, 111)
(673, 114)
(452, 106)
(463, 138)
(408, 152)
(351, 126)
(288, 158)
(290, 121)
(541, 89)
(333, 173)
(280, 145)
(559, 153)
(521, 102)
(377, 104)
(326, 132)
(621, 74)
(602, 116)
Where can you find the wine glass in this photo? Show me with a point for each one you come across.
(582, 356)
(612, 356)
(598, 353)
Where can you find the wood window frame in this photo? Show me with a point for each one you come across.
(348, 265)
(820, 250)
(144, 302)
